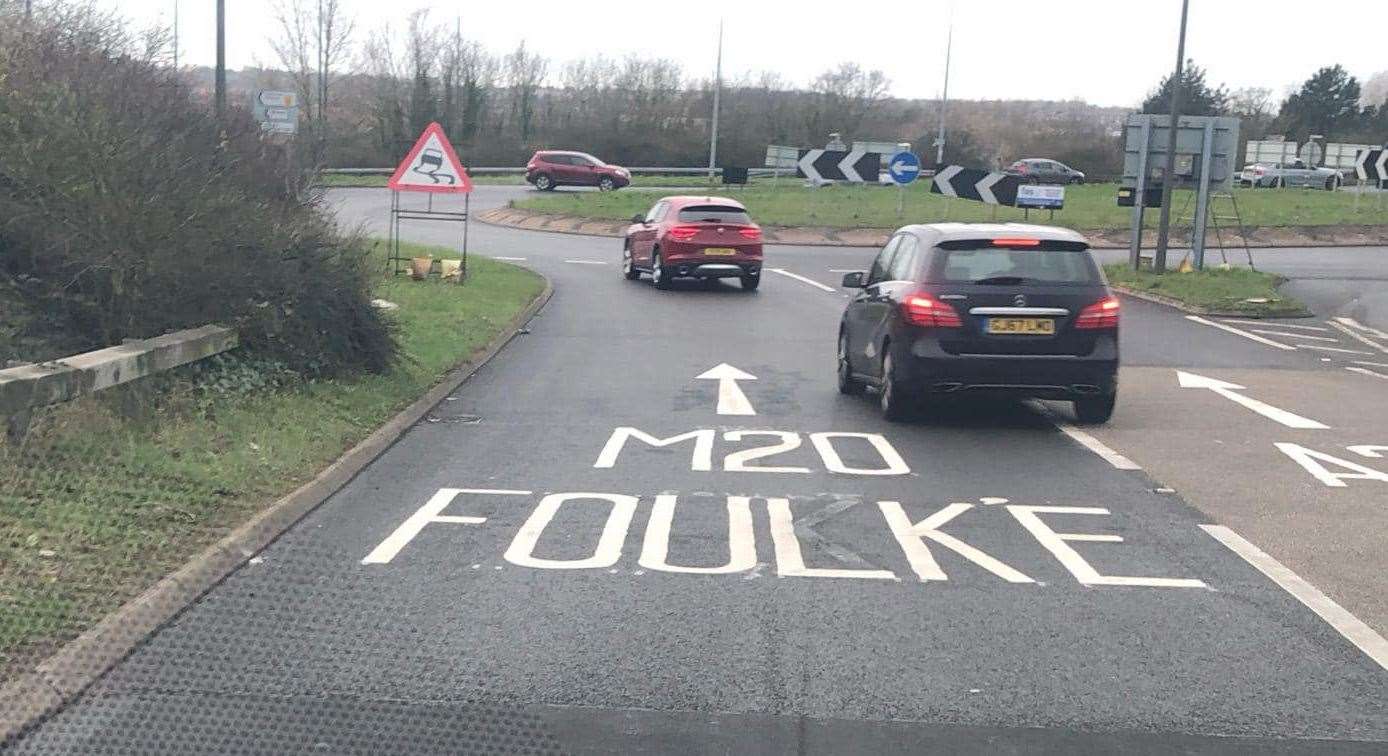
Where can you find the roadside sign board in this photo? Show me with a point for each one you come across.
(1041, 196)
(856, 166)
(782, 157)
(904, 167)
(277, 112)
(1372, 165)
(988, 187)
(1190, 149)
(431, 166)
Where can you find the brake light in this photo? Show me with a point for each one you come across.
(1101, 314)
(1258, 171)
(683, 233)
(751, 234)
(925, 310)
(1016, 242)
(1021, 167)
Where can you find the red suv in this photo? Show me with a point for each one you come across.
(550, 168)
(693, 237)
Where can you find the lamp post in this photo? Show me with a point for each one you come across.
(1168, 177)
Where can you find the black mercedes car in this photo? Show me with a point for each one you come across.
(952, 309)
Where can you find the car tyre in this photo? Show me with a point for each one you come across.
(1095, 411)
(750, 283)
(629, 270)
(894, 398)
(1331, 184)
(606, 184)
(544, 182)
(848, 385)
(659, 277)
(1077, 180)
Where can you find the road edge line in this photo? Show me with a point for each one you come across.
(1365, 638)
(1086, 440)
(69, 671)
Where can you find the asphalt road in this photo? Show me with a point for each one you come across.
(577, 553)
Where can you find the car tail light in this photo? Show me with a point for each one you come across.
(925, 310)
(683, 233)
(1020, 167)
(1258, 171)
(1016, 242)
(751, 234)
(1101, 314)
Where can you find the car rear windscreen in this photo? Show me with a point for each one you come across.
(1050, 263)
(715, 214)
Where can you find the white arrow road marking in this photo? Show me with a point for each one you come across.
(846, 167)
(942, 180)
(1226, 390)
(803, 279)
(985, 188)
(731, 400)
(806, 165)
(1346, 624)
(1240, 332)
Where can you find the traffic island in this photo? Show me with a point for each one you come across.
(1233, 292)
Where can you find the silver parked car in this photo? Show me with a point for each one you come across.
(1294, 173)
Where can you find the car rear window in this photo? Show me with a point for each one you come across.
(1064, 263)
(715, 214)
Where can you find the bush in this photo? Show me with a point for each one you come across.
(127, 210)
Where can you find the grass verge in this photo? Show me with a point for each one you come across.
(99, 502)
(1237, 291)
(335, 180)
(1091, 206)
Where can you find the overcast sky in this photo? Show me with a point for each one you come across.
(1108, 52)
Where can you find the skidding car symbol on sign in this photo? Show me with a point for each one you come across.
(431, 166)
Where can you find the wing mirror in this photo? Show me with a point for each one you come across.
(853, 281)
(639, 218)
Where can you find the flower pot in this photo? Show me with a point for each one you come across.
(419, 267)
(451, 270)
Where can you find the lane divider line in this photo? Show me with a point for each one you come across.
(845, 270)
(509, 259)
(1352, 323)
(1366, 371)
(1291, 335)
(1240, 332)
(1084, 439)
(1266, 323)
(1360, 337)
(1355, 631)
(803, 279)
(586, 262)
(1334, 349)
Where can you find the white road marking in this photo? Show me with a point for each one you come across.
(742, 544)
(1352, 323)
(509, 259)
(789, 559)
(1337, 350)
(1240, 332)
(1366, 371)
(1087, 441)
(1313, 462)
(845, 270)
(1370, 364)
(426, 514)
(803, 279)
(731, 400)
(1265, 324)
(586, 262)
(1359, 337)
(1227, 390)
(1361, 635)
(609, 546)
(1291, 335)
(1078, 566)
(911, 539)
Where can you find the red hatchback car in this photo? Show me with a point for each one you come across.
(693, 237)
(550, 168)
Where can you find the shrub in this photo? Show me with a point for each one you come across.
(128, 210)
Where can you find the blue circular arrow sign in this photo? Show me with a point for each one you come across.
(904, 167)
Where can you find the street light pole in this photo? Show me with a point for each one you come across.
(175, 36)
(220, 85)
(717, 89)
(1168, 177)
(944, 98)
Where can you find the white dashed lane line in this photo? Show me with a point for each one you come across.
(802, 279)
(510, 259)
(1366, 371)
(1084, 439)
(586, 262)
(1338, 350)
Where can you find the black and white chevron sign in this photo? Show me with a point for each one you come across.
(1372, 165)
(973, 184)
(836, 165)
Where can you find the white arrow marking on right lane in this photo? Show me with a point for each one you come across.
(1227, 390)
(731, 400)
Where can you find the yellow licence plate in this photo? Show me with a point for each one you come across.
(719, 251)
(1022, 326)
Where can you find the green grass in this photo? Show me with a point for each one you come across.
(336, 180)
(1215, 290)
(1092, 206)
(99, 503)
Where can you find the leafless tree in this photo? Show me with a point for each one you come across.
(525, 74)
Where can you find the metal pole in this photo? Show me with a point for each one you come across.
(900, 200)
(717, 89)
(944, 97)
(1202, 198)
(175, 36)
(1168, 177)
(220, 83)
(1140, 196)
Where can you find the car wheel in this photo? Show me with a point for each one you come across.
(1077, 180)
(1095, 411)
(658, 275)
(894, 398)
(606, 184)
(847, 383)
(1331, 184)
(1279, 183)
(544, 182)
(750, 283)
(629, 269)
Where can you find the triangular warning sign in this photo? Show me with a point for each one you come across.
(431, 166)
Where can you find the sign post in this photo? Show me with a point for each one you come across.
(904, 168)
(431, 167)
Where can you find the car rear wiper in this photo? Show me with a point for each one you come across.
(1001, 281)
